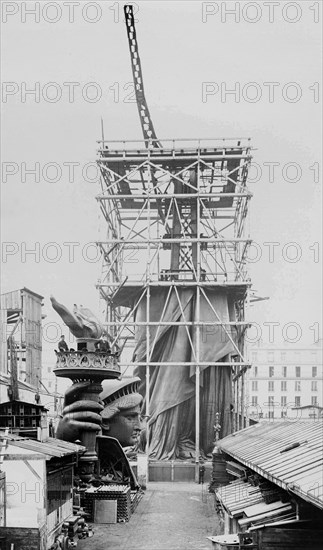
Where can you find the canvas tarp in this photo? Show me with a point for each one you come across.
(172, 388)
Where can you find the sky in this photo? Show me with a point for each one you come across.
(194, 55)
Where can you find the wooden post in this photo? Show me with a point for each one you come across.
(148, 327)
(237, 404)
(198, 333)
(13, 369)
(147, 376)
(234, 415)
(197, 422)
(243, 424)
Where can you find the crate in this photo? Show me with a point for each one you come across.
(120, 493)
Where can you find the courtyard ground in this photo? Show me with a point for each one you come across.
(170, 516)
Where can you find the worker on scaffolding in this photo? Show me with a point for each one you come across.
(62, 345)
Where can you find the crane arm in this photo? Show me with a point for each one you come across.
(144, 115)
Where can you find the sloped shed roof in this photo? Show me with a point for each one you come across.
(50, 448)
(288, 453)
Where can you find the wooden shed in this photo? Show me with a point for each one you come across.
(21, 314)
(276, 500)
(38, 490)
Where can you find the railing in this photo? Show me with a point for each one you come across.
(91, 360)
(178, 144)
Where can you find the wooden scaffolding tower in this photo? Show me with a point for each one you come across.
(176, 218)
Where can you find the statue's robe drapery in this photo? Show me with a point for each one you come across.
(172, 388)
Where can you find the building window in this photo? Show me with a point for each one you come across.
(297, 401)
(254, 385)
(271, 372)
(270, 400)
(297, 386)
(254, 400)
(284, 371)
(314, 400)
(283, 400)
(298, 372)
(314, 372)
(283, 414)
(283, 385)
(255, 370)
(271, 414)
(271, 386)
(314, 385)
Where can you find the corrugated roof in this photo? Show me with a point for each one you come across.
(50, 448)
(288, 453)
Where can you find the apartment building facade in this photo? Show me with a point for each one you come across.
(285, 382)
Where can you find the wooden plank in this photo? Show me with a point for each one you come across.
(266, 515)
(25, 457)
(263, 507)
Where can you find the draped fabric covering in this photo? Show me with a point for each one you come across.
(172, 388)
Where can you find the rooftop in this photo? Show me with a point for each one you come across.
(49, 448)
(288, 453)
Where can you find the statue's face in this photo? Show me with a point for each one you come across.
(125, 426)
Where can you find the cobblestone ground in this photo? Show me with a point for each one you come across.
(170, 516)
